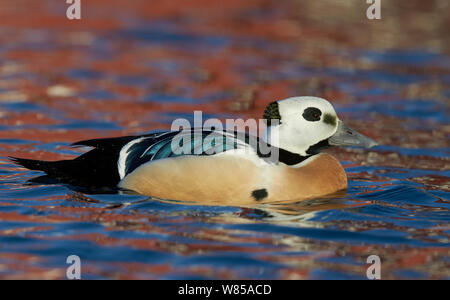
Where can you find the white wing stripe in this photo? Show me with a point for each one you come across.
(121, 162)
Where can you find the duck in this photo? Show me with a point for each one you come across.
(216, 166)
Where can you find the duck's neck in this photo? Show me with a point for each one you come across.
(284, 156)
(283, 138)
(290, 158)
(289, 154)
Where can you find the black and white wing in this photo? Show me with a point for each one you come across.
(177, 143)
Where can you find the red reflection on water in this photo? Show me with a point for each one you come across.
(266, 50)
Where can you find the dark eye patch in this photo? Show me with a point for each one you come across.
(312, 114)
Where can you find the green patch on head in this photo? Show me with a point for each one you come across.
(330, 119)
(272, 113)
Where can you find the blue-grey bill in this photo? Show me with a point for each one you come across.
(346, 136)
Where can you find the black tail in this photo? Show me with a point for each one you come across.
(93, 171)
(38, 165)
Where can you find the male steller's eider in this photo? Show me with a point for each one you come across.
(234, 170)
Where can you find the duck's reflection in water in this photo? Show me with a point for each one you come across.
(278, 212)
(296, 212)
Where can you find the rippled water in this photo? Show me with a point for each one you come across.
(128, 70)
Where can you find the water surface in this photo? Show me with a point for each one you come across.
(131, 69)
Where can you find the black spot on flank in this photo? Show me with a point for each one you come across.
(312, 114)
(272, 113)
(260, 194)
(329, 119)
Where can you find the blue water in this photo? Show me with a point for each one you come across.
(139, 77)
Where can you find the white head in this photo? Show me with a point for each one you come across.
(304, 122)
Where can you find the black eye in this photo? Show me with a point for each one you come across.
(312, 114)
